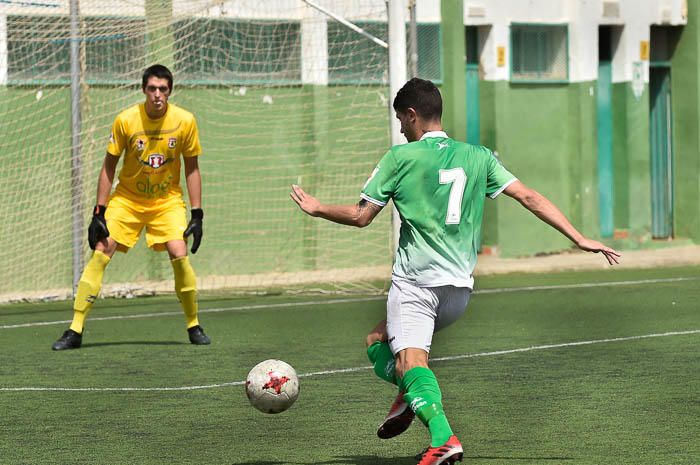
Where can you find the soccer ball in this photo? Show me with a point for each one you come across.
(272, 386)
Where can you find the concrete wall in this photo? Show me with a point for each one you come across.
(685, 81)
(546, 133)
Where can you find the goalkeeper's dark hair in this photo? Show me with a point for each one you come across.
(422, 96)
(158, 71)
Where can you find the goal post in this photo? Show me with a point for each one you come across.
(397, 77)
(282, 94)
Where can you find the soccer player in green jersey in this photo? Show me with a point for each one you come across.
(438, 186)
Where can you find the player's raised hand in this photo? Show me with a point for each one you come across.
(589, 245)
(195, 228)
(308, 203)
(97, 230)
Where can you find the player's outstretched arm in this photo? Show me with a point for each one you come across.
(360, 214)
(550, 214)
(193, 179)
(97, 231)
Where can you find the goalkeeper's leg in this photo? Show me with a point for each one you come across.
(88, 289)
(186, 290)
(90, 284)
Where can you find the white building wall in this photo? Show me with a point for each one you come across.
(243, 9)
(583, 42)
(583, 18)
(428, 11)
(34, 8)
(62, 7)
(357, 10)
(635, 32)
(495, 54)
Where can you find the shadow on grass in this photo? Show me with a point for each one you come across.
(94, 345)
(36, 312)
(411, 460)
(370, 460)
(505, 457)
(346, 460)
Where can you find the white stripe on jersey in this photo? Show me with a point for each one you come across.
(371, 200)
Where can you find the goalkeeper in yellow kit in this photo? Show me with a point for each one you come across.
(152, 135)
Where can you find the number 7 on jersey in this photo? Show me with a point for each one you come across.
(458, 178)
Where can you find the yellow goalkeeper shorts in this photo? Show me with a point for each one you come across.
(164, 221)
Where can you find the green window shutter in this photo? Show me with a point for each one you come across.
(38, 49)
(114, 47)
(355, 59)
(232, 51)
(539, 53)
(429, 61)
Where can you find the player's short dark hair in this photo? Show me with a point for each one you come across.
(158, 71)
(422, 96)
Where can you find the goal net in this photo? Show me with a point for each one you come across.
(282, 93)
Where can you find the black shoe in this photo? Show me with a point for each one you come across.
(197, 336)
(69, 340)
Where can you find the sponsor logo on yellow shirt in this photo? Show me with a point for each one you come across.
(154, 190)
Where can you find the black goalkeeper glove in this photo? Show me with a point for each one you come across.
(195, 228)
(98, 226)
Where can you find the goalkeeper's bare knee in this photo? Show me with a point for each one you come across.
(107, 246)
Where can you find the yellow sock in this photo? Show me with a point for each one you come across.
(88, 289)
(186, 289)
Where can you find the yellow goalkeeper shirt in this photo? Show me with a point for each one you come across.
(150, 172)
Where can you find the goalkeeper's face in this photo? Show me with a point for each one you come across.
(157, 92)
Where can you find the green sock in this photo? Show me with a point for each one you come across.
(424, 396)
(380, 355)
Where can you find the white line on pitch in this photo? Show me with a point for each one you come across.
(363, 368)
(587, 285)
(206, 310)
(353, 300)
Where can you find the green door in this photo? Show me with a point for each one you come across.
(661, 152)
(473, 122)
(605, 158)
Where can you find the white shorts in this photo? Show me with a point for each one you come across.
(414, 313)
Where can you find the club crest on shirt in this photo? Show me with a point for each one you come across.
(156, 160)
(140, 144)
(172, 142)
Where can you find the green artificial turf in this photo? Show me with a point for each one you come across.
(564, 375)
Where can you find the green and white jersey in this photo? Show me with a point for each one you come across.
(439, 186)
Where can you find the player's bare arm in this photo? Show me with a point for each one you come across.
(106, 178)
(360, 214)
(193, 179)
(545, 210)
(98, 234)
